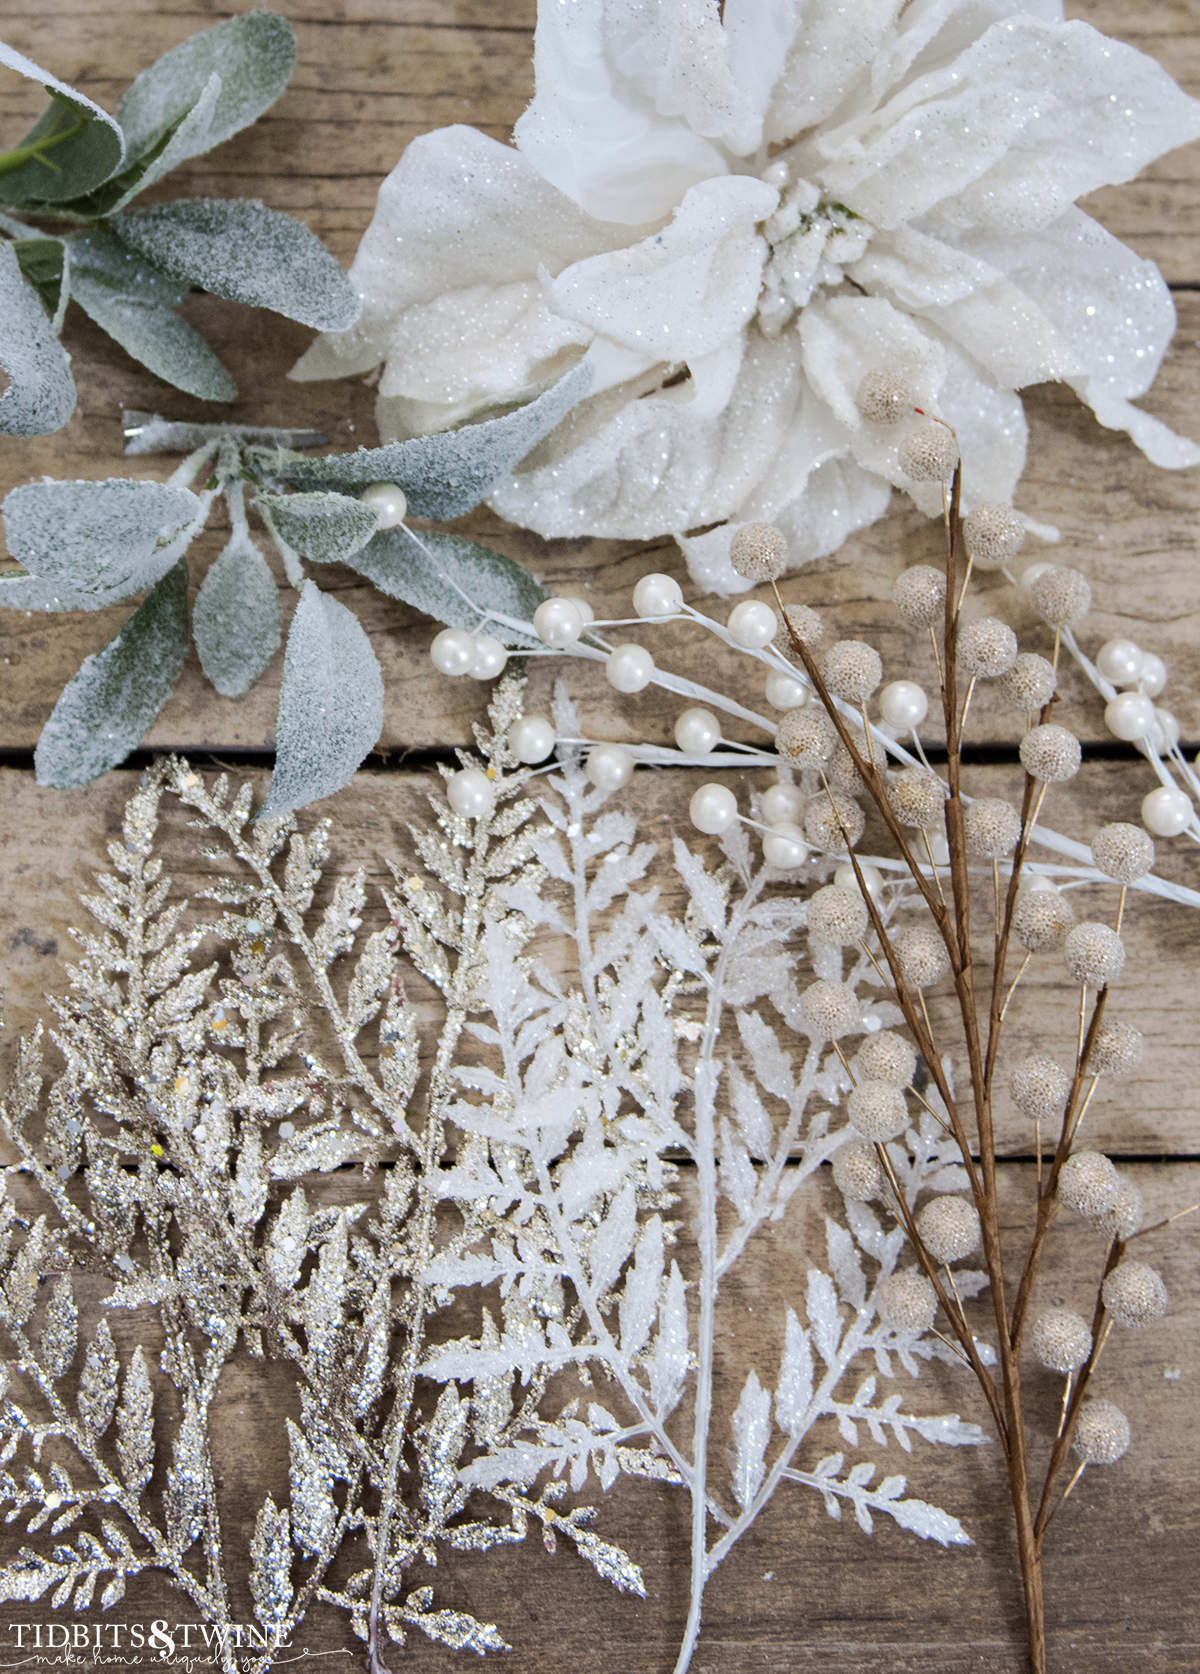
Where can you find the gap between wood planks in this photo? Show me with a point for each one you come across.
(402, 760)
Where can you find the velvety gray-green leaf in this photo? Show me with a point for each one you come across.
(29, 592)
(45, 264)
(445, 475)
(452, 579)
(112, 537)
(253, 55)
(83, 144)
(330, 704)
(235, 622)
(188, 138)
(133, 301)
(116, 696)
(327, 528)
(41, 392)
(246, 253)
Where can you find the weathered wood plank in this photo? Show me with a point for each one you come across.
(1153, 1114)
(801, 1591)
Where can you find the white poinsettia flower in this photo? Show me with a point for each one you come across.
(734, 220)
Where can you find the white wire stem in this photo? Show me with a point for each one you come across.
(1108, 691)
(658, 755)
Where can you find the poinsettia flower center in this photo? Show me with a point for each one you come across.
(810, 237)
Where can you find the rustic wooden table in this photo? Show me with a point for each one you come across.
(802, 1591)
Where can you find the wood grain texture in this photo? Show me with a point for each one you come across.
(370, 77)
(800, 1591)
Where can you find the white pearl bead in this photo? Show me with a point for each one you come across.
(630, 668)
(657, 595)
(531, 738)
(490, 658)
(1166, 812)
(558, 622)
(1154, 675)
(1120, 661)
(713, 809)
(1164, 734)
(697, 731)
(871, 875)
(784, 845)
(783, 692)
(609, 766)
(471, 793)
(582, 606)
(939, 848)
(453, 651)
(782, 802)
(1129, 716)
(903, 705)
(388, 500)
(752, 625)
(1030, 574)
(1034, 883)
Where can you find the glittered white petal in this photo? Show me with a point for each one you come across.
(594, 132)
(458, 210)
(640, 460)
(676, 55)
(933, 33)
(837, 498)
(814, 436)
(448, 357)
(994, 319)
(992, 436)
(760, 34)
(830, 56)
(1110, 307)
(846, 337)
(686, 290)
(1027, 119)
(1157, 440)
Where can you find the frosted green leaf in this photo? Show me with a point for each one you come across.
(326, 528)
(45, 264)
(110, 538)
(452, 579)
(235, 622)
(133, 301)
(246, 253)
(117, 694)
(330, 704)
(28, 592)
(445, 475)
(41, 392)
(81, 144)
(254, 55)
(188, 139)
